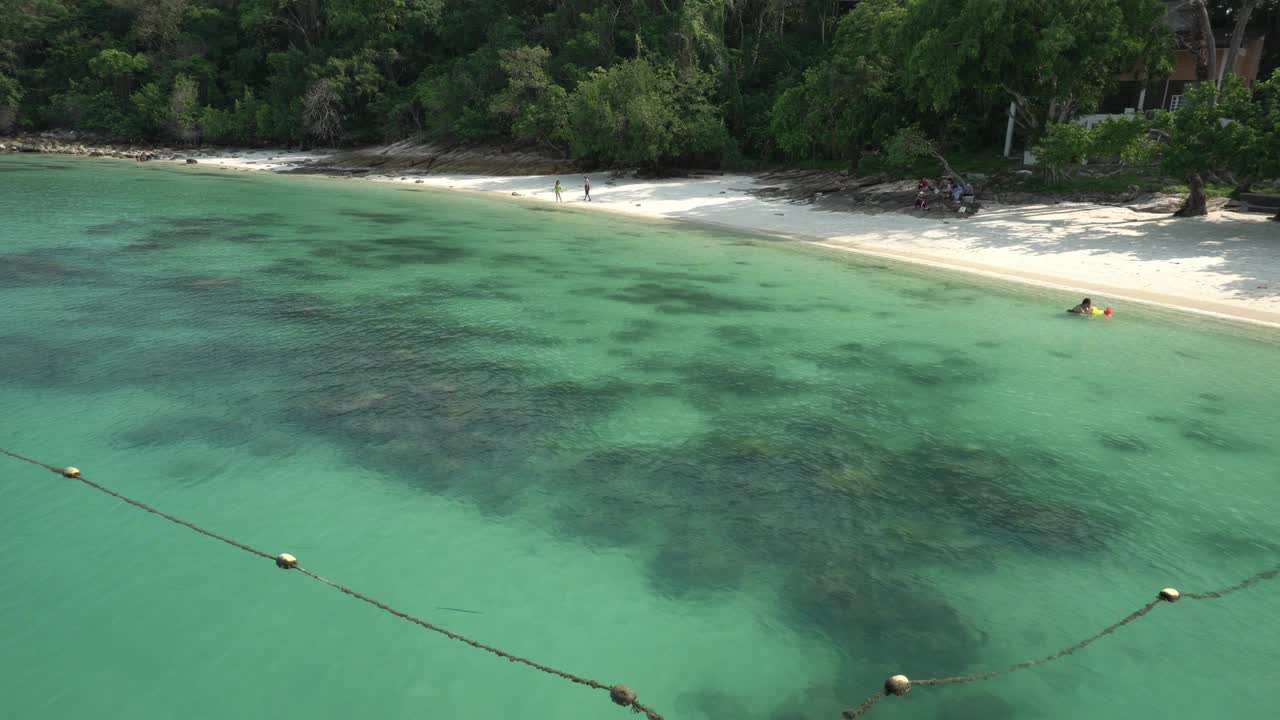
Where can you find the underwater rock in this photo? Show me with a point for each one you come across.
(710, 703)
(827, 700)
(691, 561)
(901, 622)
(977, 705)
(1123, 441)
(739, 336)
(1214, 437)
(637, 330)
(678, 299)
(185, 430)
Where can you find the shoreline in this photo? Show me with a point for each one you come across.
(724, 201)
(1225, 266)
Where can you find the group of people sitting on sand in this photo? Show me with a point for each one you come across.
(957, 190)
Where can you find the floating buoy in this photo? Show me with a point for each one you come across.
(622, 695)
(897, 685)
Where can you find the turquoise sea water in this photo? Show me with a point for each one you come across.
(747, 478)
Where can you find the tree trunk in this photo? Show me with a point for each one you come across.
(1197, 202)
(946, 166)
(755, 51)
(1237, 39)
(1208, 50)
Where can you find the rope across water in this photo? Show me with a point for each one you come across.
(619, 694)
(901, 684)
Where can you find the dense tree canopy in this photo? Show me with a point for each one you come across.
(635, 81)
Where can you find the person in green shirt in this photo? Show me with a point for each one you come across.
(558, 191)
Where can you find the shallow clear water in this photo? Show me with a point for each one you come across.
(749, 479)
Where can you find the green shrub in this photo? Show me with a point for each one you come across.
(1065, 146)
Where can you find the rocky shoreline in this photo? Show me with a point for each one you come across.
(72, 143)
(402, 158)
(835, 191)
(408, 157)
(841, 191)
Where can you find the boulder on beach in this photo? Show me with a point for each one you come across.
(1161, 204)
(1167, 204)
(191, 161)
(443, 159)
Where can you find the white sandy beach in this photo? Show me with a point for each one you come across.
(1226, 264)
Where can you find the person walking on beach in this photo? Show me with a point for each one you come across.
(558, 191)
(586, 187)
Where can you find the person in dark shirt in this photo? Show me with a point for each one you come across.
(1084, 308)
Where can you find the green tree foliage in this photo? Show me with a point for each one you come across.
(849, 100)
(945, 65)
(639, 112)
(1065, 145)
(237, 124)
(10, 94)
(184, 109)
(532, 107)
(156, 23)
(1126, 140)
(1213, 132)
(10, 91)
(118, 68)
(1260, 155)
(640, 81)
(151, 110)
(910, 144)
(1227, 133)
(1052, 59)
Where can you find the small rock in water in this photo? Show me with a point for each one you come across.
(1121, 441)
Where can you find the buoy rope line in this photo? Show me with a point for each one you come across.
(619, 694)
(901, 684)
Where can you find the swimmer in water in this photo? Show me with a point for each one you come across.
(1084, 308)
